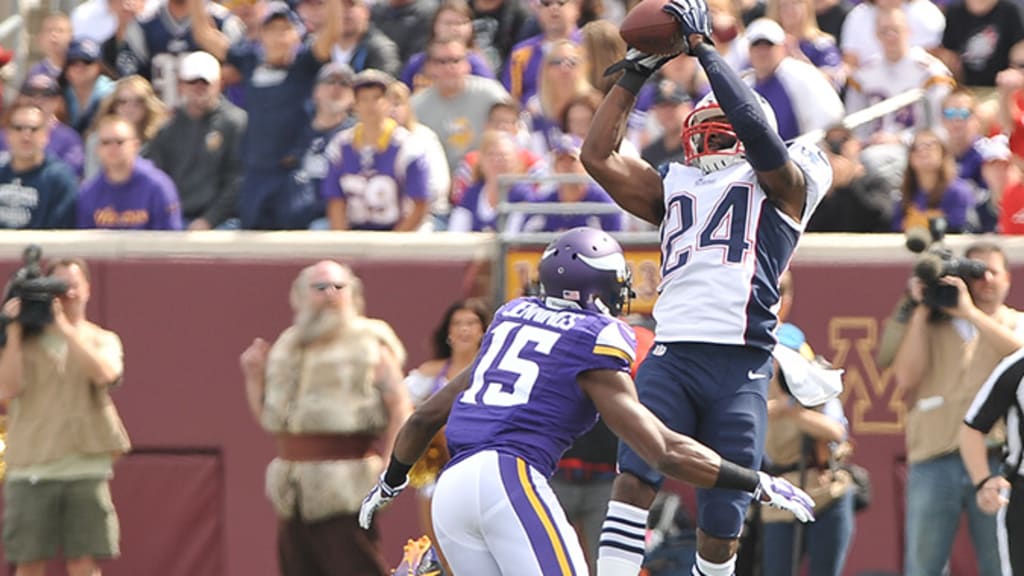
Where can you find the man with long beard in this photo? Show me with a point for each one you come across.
(328, 389)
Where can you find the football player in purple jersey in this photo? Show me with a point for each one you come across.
(546, 368)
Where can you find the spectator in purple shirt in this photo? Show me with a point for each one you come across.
(130, 193)
(453, 19)
(567, 162)
(477, 209)
(378, 176)
(931, 188)
(65, 144)
(558, 20)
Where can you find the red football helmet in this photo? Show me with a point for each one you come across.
(709, 142)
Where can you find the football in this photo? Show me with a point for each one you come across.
(648, 29)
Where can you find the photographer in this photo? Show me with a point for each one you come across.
(63, 429)
(941, 360)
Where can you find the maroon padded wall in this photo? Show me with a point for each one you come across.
(191, 497)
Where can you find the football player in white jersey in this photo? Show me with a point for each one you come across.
(730, 219)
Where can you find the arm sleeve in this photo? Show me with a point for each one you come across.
(997, 394)
(223, 206)
(167, 208)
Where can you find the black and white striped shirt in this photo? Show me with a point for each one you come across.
(1003, 395)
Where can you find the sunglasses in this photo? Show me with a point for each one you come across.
(568, 62)
(451, 60)
(113, 141)
(33, 128)
(956, 113)
(325, 286)
(335, 81)
(546, 3)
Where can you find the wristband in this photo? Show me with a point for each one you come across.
(735, 477)
(980, 485)
(632, 81)
(397, 473)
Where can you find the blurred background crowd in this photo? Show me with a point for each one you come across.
(420, 114)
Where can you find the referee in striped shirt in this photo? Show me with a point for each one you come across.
(1001, 396)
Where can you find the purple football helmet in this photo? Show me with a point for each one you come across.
(586, 266)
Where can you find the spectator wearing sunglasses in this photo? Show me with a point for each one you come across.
(130, 193)
(558, 20)
(963, 135)
(64, 144)
(328, 390)
(133, 98)
(36, 190)
(562, 79)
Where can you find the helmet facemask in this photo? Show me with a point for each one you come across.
(709, 142)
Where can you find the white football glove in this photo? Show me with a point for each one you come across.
(381, 495)
(780, 493)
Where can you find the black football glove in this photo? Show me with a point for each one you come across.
(640, 62)
(693, 18)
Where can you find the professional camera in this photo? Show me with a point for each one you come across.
(937, 262)
(36, 292)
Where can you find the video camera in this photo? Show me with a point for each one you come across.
(937, 262)
(36, 292)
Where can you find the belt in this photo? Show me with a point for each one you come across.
(317, 447)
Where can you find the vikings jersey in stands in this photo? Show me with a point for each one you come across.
(523, 400)
(723, 247)
(376, 179)
(878, 79)
(153, 47)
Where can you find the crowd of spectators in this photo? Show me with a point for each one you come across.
(252, 113)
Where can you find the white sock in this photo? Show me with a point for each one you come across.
(705, 568)
(621, 552)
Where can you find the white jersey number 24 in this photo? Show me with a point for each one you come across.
(725, 229)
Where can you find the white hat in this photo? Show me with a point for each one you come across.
(199, 66)
(766, 29)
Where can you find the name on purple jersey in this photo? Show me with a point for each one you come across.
(560, 319)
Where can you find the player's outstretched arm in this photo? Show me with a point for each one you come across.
(778, 175)
(410, 444)
(631, 182)
(679, 456)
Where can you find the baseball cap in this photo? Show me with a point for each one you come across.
(567, 145)
(765, 29)
(668, 92)
(278, 9)
(336, 70)
(83, 50)
(372, 77)
(199, 66)
(40, 85)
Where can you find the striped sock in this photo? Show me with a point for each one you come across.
(704, 568)
(621, 552)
